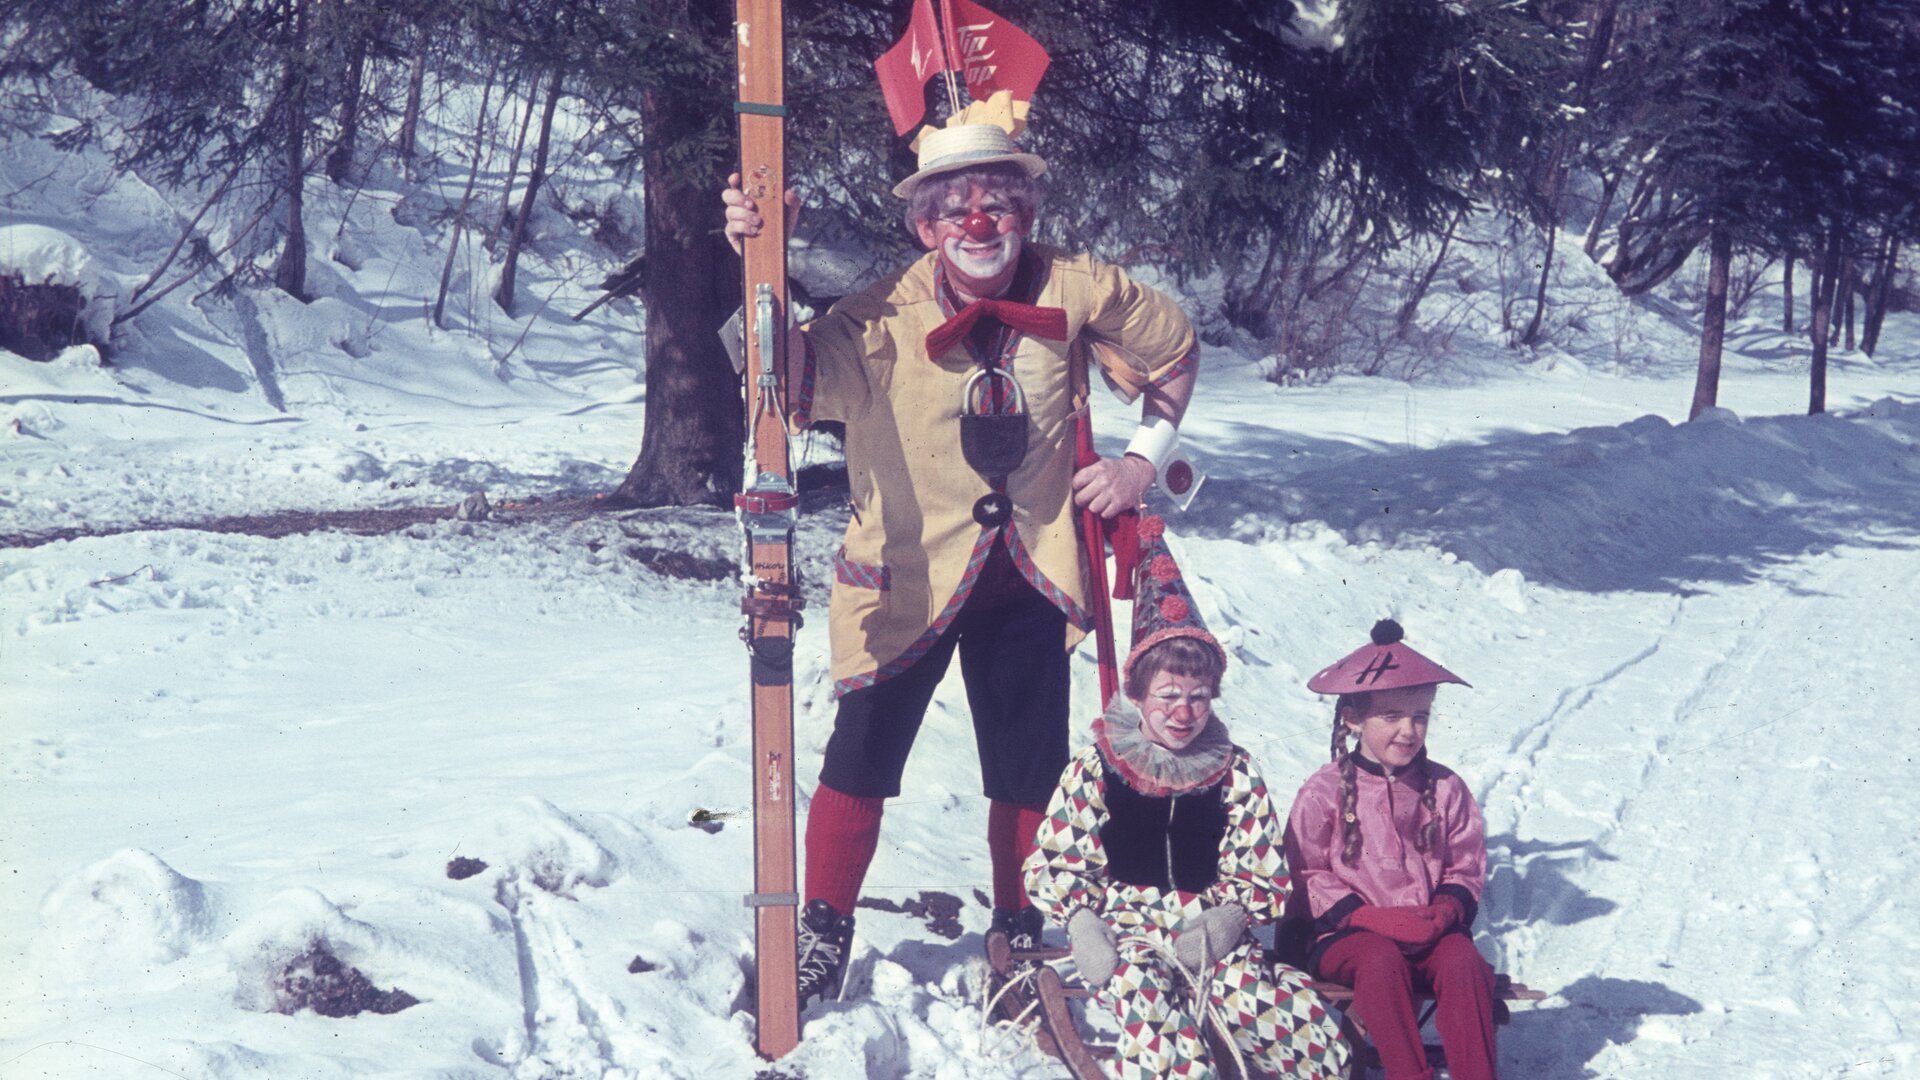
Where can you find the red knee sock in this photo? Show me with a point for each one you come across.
(1010, 839)
(843, 832)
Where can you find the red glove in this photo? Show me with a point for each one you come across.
(1445, 913)
(1406, 925)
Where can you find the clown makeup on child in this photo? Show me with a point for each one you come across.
(1160, 850)
(1173, 685)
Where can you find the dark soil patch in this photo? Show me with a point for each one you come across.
(679, 564)
(318, 980)
(462, 868)
(272, 526)
(374, 522)
(941, 910)
(39, 321)
(641, 965)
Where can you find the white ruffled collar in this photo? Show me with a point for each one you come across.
(1152, 769)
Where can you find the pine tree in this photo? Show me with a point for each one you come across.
(1780, 126)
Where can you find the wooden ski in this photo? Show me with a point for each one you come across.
(768, 508)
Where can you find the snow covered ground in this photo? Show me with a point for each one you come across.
(1691, 725)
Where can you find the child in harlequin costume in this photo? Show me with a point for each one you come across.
(1389, 850)
(1161, 844)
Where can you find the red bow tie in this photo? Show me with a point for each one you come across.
(1046, 322)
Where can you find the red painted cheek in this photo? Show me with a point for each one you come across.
(979, 227)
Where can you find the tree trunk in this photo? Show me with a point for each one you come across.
(1609, 187)
(1880, 294)
(1786, 286)
(1816, 288)
(1713, 332)
(416, 83)
(290, 274)
(1250, 306)
(1540, 295)
(504, 295)
(1822, 314)
(1403, 322)
(466, 197)
(513, 170)
(690, 448)
(1851, 285)
(340, 158)
(1843, 269)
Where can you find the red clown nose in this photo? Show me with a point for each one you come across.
(979, 227)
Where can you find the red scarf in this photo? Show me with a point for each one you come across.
(1046, 322)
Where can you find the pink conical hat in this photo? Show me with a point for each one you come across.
(1388, 663)
(1162, 606)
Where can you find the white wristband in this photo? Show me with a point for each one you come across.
(1154, 441)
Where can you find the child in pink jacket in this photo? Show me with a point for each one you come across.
(1388, 853)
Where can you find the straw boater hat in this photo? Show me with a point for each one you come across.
(1162, 606)
(1386, 663)
(980, 134)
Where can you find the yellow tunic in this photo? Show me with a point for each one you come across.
(913, 548)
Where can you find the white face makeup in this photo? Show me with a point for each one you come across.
(980, 261)
(1176, 709)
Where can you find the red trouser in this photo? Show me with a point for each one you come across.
(1383, 980)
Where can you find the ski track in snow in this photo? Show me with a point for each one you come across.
(1659, 770)
(1674, 869)
(566, 1033)
(1690, 727)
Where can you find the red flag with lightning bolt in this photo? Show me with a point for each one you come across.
(905, 68)
(989, 52)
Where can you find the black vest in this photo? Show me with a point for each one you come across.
(1163, 841)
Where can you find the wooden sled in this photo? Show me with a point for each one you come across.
(1025, 984)
(1028, 983)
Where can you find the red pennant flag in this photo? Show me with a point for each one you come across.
(905, 68)
(992, 52)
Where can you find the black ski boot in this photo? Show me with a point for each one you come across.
(1022, 927)
(826, 936)
(1010, 985)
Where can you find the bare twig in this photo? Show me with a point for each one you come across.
(116, 580)
(186, 234)
(535, 317)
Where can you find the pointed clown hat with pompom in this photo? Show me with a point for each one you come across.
(1162, 606)
(1385, 663)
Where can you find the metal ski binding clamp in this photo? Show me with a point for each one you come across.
(769, 510)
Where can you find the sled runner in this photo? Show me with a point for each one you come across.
(1025, 985)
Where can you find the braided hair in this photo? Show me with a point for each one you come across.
(1355, 705)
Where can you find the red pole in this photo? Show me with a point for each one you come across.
(1093, 534)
